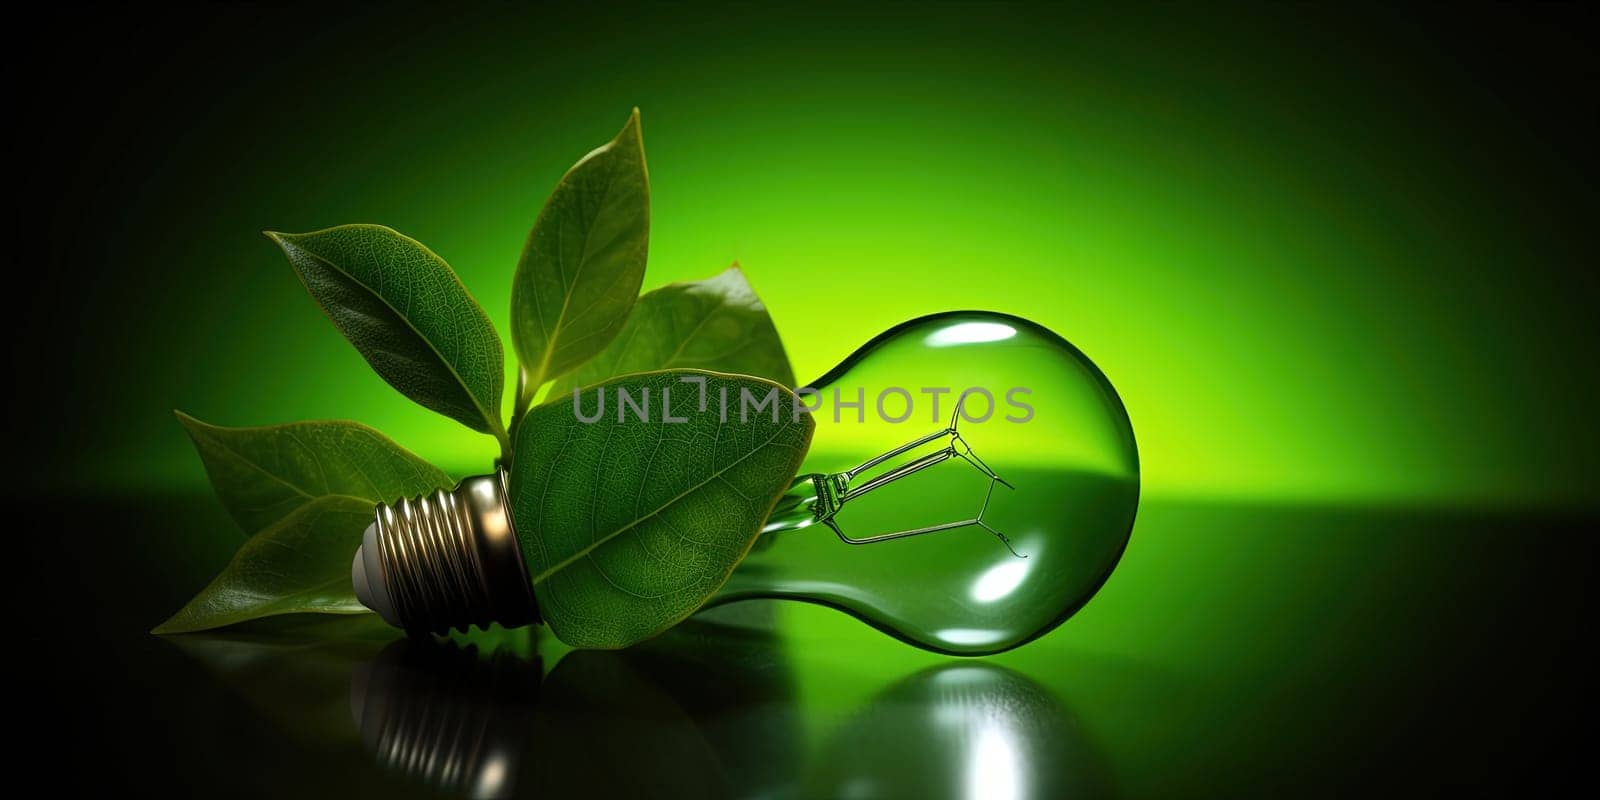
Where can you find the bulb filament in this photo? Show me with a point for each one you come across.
(830, 492)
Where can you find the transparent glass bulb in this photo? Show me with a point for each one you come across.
(1003, 516)
(971, 483)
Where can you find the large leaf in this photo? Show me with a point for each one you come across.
(265, 474)
(717, 324)
(628, 527)
(300, 563)
(584, 261)
(409, 316)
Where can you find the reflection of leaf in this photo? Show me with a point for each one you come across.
(300, 563)
(409, 316)
(605, 729)
(295, 671)
(584, 261)
(717, 324)
(629, 526)
(264, 474)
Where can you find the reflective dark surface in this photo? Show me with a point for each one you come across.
(1246, 650)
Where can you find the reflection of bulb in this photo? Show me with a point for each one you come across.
(447, 717)
(961, 730)
(972, 482)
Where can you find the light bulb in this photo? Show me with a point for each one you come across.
(972, 482)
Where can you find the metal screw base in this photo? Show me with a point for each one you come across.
(451, 559)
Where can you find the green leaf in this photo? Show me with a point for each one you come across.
(309, 489)
(628, 527)
(717, 324)
(265, 474)
(584, 262)
(409, 316)
(300, 563)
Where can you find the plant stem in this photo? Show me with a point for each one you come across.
(502, 436)
(526, 389)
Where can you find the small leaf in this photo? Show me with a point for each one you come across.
(628, 527)
(717, 324)
(300, 563)
(265, 474)
(584, 261)
(409, 316)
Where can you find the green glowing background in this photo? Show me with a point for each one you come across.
(1339, 264)
(1310, 273)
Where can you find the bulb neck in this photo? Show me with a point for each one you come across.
(451, 559)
